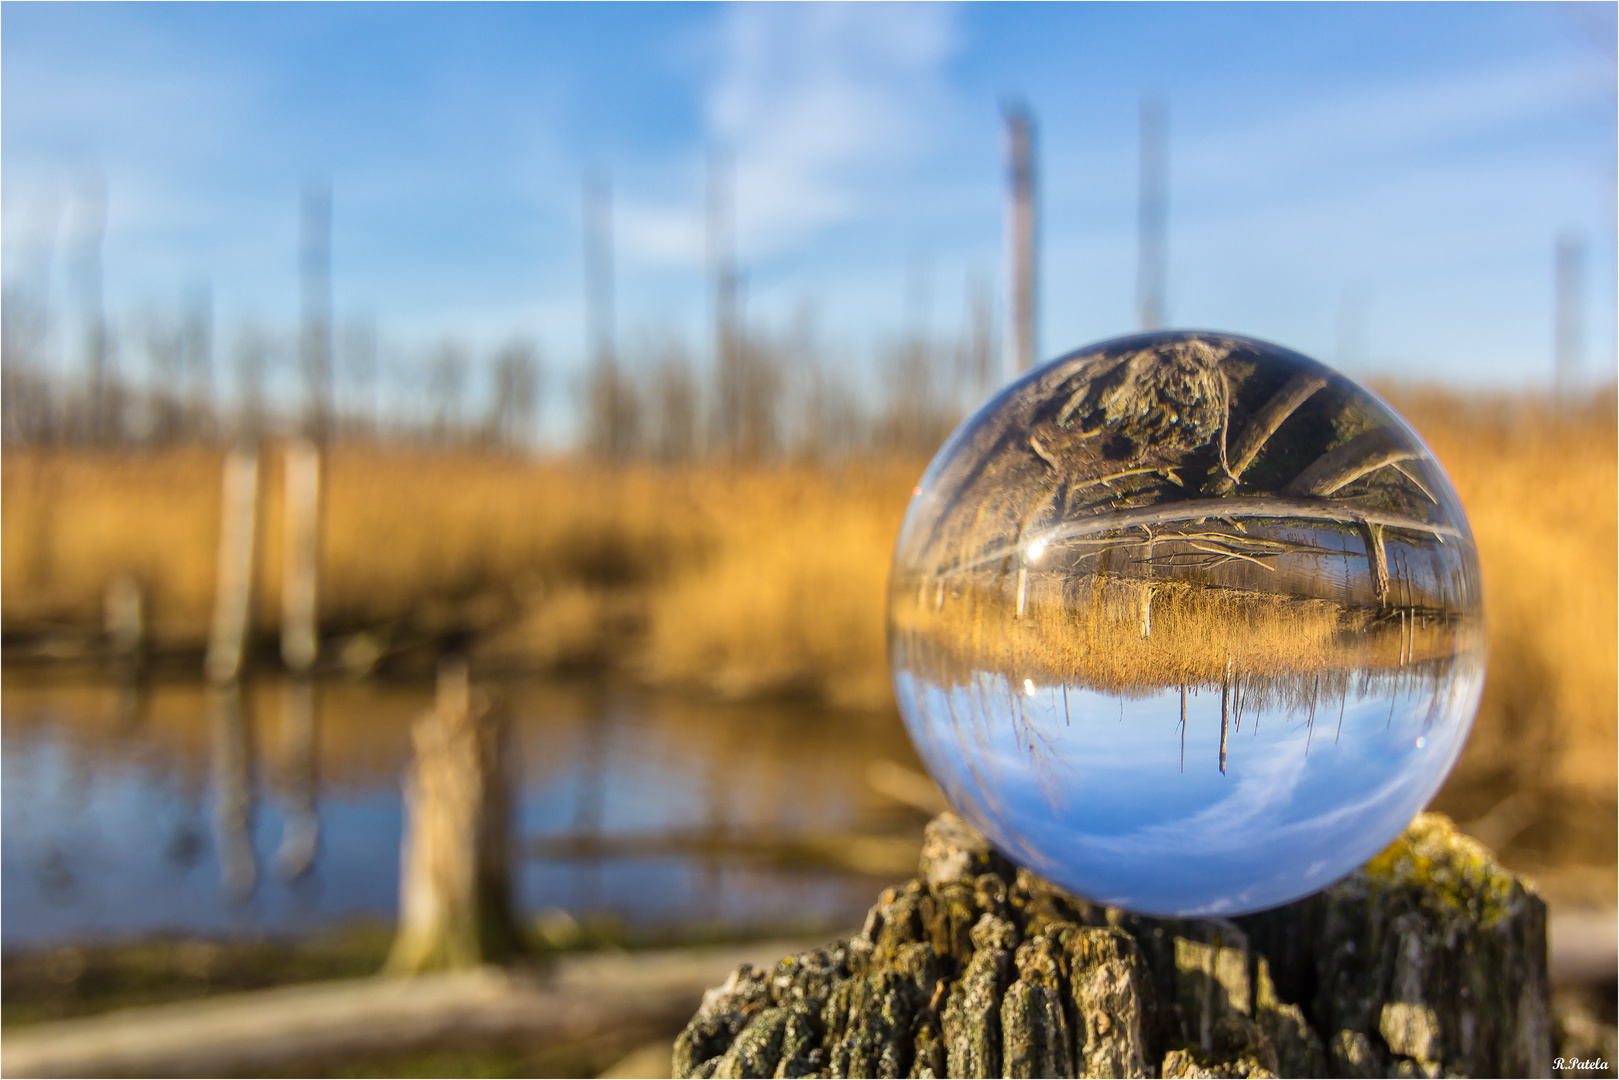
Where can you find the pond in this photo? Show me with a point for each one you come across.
(140, 809)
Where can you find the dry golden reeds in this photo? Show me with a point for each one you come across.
(773, 578)
(1195, 636)
(1539, 485)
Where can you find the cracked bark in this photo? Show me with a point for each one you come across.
(1430, 960)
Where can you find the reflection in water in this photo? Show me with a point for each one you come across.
(1136, 551)
(131, 703)
(588, 810)
(298, 781)
(233, 793)
(112, 831)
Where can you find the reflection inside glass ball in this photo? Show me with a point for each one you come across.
(1187, 623)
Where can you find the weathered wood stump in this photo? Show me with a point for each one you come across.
(455, 876)
(1429, 961)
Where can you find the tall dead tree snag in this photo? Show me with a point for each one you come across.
(300, 638)
(455, 880)
(94, 207)
(1377, 560)
(1021, 237)
(233, 588)
(613, 411)
(747, 375)
(315, 278)
(300, 646)
(124, 618)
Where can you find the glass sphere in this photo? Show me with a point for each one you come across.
(1187, 623)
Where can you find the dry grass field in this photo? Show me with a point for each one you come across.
(1199, 637)
(772, 579)
(1541, 489)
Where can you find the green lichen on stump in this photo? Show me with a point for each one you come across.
(1429, 961)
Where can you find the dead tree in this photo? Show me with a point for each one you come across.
(196, 339)
(315, 277)
(517, 395)
(454, 879)
(1263, 425)
(300, 553)
(613, 404)
(1377, 559)
(233, 578)
(99, 419)
(1344, 464)
(1022, 234)
(673, 405)
(254, 351)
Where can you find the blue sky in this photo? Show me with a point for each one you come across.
(1409, 163)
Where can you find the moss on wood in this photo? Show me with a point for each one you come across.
(1429, 961)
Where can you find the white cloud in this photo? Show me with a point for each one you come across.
(821, 108)
(813, 99)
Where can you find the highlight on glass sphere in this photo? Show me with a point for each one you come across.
(1187, 623)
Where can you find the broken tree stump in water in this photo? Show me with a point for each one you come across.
(1428, 961)
(454, 874)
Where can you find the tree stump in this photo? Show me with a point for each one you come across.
(1429, 961)
(454, 879)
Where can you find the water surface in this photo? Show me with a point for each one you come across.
(133, 811)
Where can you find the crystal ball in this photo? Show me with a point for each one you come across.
(1187, 623)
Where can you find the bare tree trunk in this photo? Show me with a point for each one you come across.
(95, 331)
(1225, 712)
(1147, 588)
(124, 619)
(1377, 560)
(1368, 451)
(234, 578)
(199, 420)
(1021, 237)
(454, 883)
(611, 404)
(315, 345)
(300, 640)
(1295, 392)
(721, 230)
